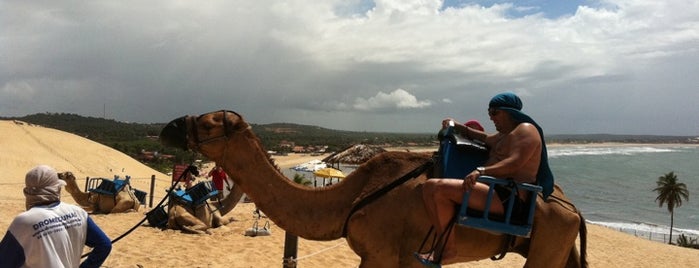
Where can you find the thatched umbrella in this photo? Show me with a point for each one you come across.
(354, 155)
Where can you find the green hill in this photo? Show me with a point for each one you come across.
(135, 139)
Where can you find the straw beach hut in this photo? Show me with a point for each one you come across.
(354, 155)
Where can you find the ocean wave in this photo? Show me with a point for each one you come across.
(620, 150)
(643, 227)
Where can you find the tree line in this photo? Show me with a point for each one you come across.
(135, 138)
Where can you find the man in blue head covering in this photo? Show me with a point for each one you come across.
(516, 151)
(510, 103)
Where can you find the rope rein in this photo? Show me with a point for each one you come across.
(319, 251)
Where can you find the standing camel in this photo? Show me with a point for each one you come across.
(124, 201)
(384, 230)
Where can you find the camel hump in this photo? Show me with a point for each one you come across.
(385, 169)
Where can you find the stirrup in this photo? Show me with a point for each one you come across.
(426, 262)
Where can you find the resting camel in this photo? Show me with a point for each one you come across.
(383, 229)
(124, 201)
(198, 220)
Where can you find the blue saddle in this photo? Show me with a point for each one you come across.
(109, 187)
(457, 157)
(506, 224)
(197, 194)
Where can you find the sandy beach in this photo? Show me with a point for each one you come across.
(24, 146)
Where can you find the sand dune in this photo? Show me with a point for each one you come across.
(23, 146)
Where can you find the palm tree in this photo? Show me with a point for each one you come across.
(671, 192)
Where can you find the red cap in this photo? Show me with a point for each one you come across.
(474, 124)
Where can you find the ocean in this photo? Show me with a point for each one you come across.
(613, 185)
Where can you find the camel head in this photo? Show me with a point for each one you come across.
(205, 133)
(66, 176)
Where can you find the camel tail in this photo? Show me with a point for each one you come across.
(583, 241)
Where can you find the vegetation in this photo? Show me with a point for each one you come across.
(671, 192)
(136, 139)
(687, 242)
(301, 179)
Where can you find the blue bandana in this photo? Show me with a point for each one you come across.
(510, 103)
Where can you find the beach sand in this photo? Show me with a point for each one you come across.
(24, 146)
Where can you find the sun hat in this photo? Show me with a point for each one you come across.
(42, 186)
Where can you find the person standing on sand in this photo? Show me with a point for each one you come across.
(51, 233)
(517, 152)
(218, 177)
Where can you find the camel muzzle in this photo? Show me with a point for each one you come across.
(174, 134)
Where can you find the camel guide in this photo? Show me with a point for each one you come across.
(51, 233)
(516, 151)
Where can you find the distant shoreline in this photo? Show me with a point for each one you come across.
(557, 144)
(620, 144)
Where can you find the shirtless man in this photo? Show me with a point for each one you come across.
(516, 152)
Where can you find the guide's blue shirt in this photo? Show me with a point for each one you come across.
(53, 236)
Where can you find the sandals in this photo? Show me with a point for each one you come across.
(426, 261)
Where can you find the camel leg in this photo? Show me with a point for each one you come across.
(573, 259)
(545, 248)
(219, 220)
(123, 203)
(196, 229)
(180, 219)
(172, 218)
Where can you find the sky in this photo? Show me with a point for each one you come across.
(580, 67)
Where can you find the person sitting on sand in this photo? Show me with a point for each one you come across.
(517, 152)
(51, 233)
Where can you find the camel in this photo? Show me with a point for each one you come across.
(199, 219)
(384, 230)
(124, 201)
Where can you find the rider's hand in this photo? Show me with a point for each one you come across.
(470, 180)
(447, 122)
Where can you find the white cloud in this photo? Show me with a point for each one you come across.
(286, 60)
(398, 99)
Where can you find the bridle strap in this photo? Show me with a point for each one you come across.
(227, 127)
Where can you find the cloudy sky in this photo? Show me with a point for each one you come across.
(580, 67)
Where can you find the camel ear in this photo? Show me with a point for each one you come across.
(174, 134)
